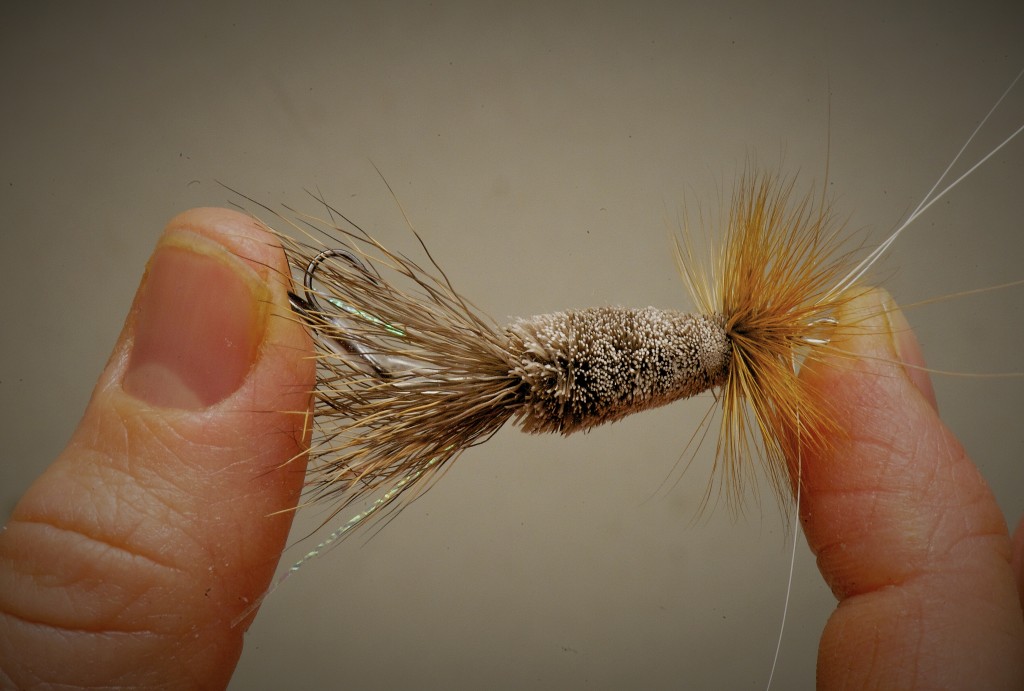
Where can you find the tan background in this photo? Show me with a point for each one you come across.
(542, 150)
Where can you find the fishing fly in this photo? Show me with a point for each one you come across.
(411, 374)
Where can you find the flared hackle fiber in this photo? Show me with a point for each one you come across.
(780, 272)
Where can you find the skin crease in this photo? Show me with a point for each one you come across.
(122, 566)
(906, 532)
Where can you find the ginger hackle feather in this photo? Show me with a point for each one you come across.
(773, 280)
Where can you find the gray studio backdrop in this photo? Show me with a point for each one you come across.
(544, 151)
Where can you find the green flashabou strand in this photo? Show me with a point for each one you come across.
(338, 533)
(372, 318)
(379, 503)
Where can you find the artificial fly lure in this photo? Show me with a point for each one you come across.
(411, 374)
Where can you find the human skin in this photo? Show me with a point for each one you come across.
(123, 564)
(906, 532)
(127, 560)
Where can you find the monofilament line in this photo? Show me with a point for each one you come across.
(852, 278)
(792, 552)
(926, 202)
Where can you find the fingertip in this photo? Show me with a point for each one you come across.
(211, 304)
(886, 316)
(877, 490)
(227, 330)
(905, 530)
(874, 335)
(243, 235)
(167, 513)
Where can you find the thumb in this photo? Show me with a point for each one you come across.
(906, 532)
(126, 561)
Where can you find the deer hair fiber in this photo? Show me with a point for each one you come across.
(411, 374)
